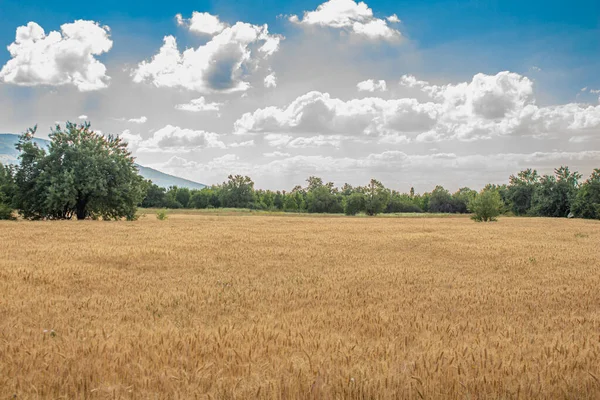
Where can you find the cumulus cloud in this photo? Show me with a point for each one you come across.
(276, 154)
(319, 114)
(140, 120)
(387, 163)
(351, 16)
(393, 19)
(199, 104)
(220, 65)
(59, 58)
(487, 106)
(371, 85)
(271, 80)
(202, 23)
(247, 143)
(173, 139)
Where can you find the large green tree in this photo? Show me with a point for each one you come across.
(237, 192)
(7, 191)
(376, 197)
(521, 190)
(587, 201)
(82, 174)
(556, 193)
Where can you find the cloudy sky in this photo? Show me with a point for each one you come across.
(411, 93)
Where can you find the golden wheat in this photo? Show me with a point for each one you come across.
(209, 306)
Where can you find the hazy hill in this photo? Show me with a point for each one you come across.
(8, 155)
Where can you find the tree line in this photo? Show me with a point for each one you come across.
(86, 175)
(561, 194)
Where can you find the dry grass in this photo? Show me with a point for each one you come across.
(205, 306)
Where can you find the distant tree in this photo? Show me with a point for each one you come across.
(322, 198)
(237, 192)
(278, 200)
(376, 197)
(587, 201)
(402, 203)
(486, 206)
(290, 203)
(354, 203)
(462, 198)
(155, 196)
(83, 174)
(183, 196)
(555, 194)
(440, 201)
(200, 198)
(521, 190)
(7, 191)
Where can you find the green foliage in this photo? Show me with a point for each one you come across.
(155, 196)
(461, 200)
(7, 191)
(354, 203)
(290, 203)
(587, 201)
(486, 206)
(6, 212)
(183, 196)
(376, 197)
(83, 174)
(527, 194)
(161, 215)
(440, 201)
(237, 192)
(521, 190)
(322, 198)
(554, 195)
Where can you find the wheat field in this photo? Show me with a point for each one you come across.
(282, 307)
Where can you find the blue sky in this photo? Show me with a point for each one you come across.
(552, 48)
(504, 33)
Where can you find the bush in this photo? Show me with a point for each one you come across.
(354, 203)
(161, 215)
(486, 206)
(6, 212)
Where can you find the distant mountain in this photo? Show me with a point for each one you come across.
(9, 155)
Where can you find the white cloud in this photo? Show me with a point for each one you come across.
(199, 104)
(271, 80)
(351, 16)
(276, 154)
(371, 85)
(59, 58)
(140, 120)
(248, 143)
(535, 69)
(393, 19)
(202, 23)
(584, 139)
(220, 65)
(83, 117)
(173, 139)
(487, 106)
(384, 164)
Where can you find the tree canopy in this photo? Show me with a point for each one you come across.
(82, 174)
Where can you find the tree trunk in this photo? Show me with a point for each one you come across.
(81, 209)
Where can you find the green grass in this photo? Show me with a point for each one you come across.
(247, 211)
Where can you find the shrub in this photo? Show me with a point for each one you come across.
(6, 212)
(354, 203)
(486, 206)
(161, 215)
